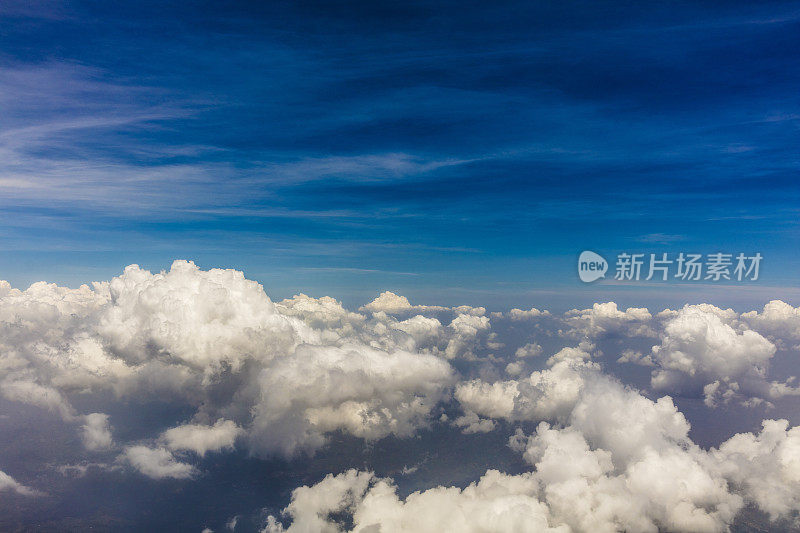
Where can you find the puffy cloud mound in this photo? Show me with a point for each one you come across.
(285, 373)
(531, 349)
(766, 466)
(363, 391)
(779, 321)
(543, 395)
(201, 439)
(498, 503)
(97, 432)
(622, 471)
(520, 314)
(605, 319)
(8, 483)
(466, 329)
(156, 463)
(616, 460)
(280, 377)
(388, 302)
(699, 350)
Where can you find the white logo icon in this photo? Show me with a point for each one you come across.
(591, 266)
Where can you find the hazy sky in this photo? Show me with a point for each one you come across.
(466, 152)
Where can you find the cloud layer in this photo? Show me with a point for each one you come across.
(280, 379)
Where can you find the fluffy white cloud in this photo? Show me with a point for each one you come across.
(391, 303)
(514, 369)
(779, 321)
(292, 371)
(635, 357)
(605, 319)
(531, 349)
(520, 314)
(200, 320)
(544, 395)
(657, 488)
(587, 477)
(616, 460)
(97, 432)
(200, 438)
(766, 466)
(8, 483)
(156, 463)
(498, 503)
(698, 342)
(388, 302)
(699, 350)
(466, 328)
(368, 393)
(278, 378)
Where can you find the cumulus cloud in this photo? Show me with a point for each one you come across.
(293, 371)
(498, 503)
(466, 329)
(778, 321)
(605, 319)
(700, 350)
(281, 377)
(545, 394)
(765, 466)
(201, 439)
(8, 483)
(388, 302)
(520, 314)
(531, 349)
(610, 459)
(156, 463)
(97, 432)
(635, 357)
(391, 303)
(366, 392)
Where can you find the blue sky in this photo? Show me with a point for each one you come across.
(455, 152)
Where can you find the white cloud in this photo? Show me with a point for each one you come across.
(366, 392)
(97, 432)
(466, 328)
(186, 333)
(635, 357)
(519, 314)
(543, 395)
(765, 466)
(779, 321)
(8, 483)
(531, 349)
(156, 463)
(469, 310)
(514, 369)
(425, 331)
(631, 468)
(278, 378)
(472, 423)
(699, 350)
(497, 503)
(201, 439)
(615, 460)
(388, 302)
(605, 319)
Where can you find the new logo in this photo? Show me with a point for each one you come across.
(591, 266)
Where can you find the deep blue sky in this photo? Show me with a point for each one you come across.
(457, 152)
